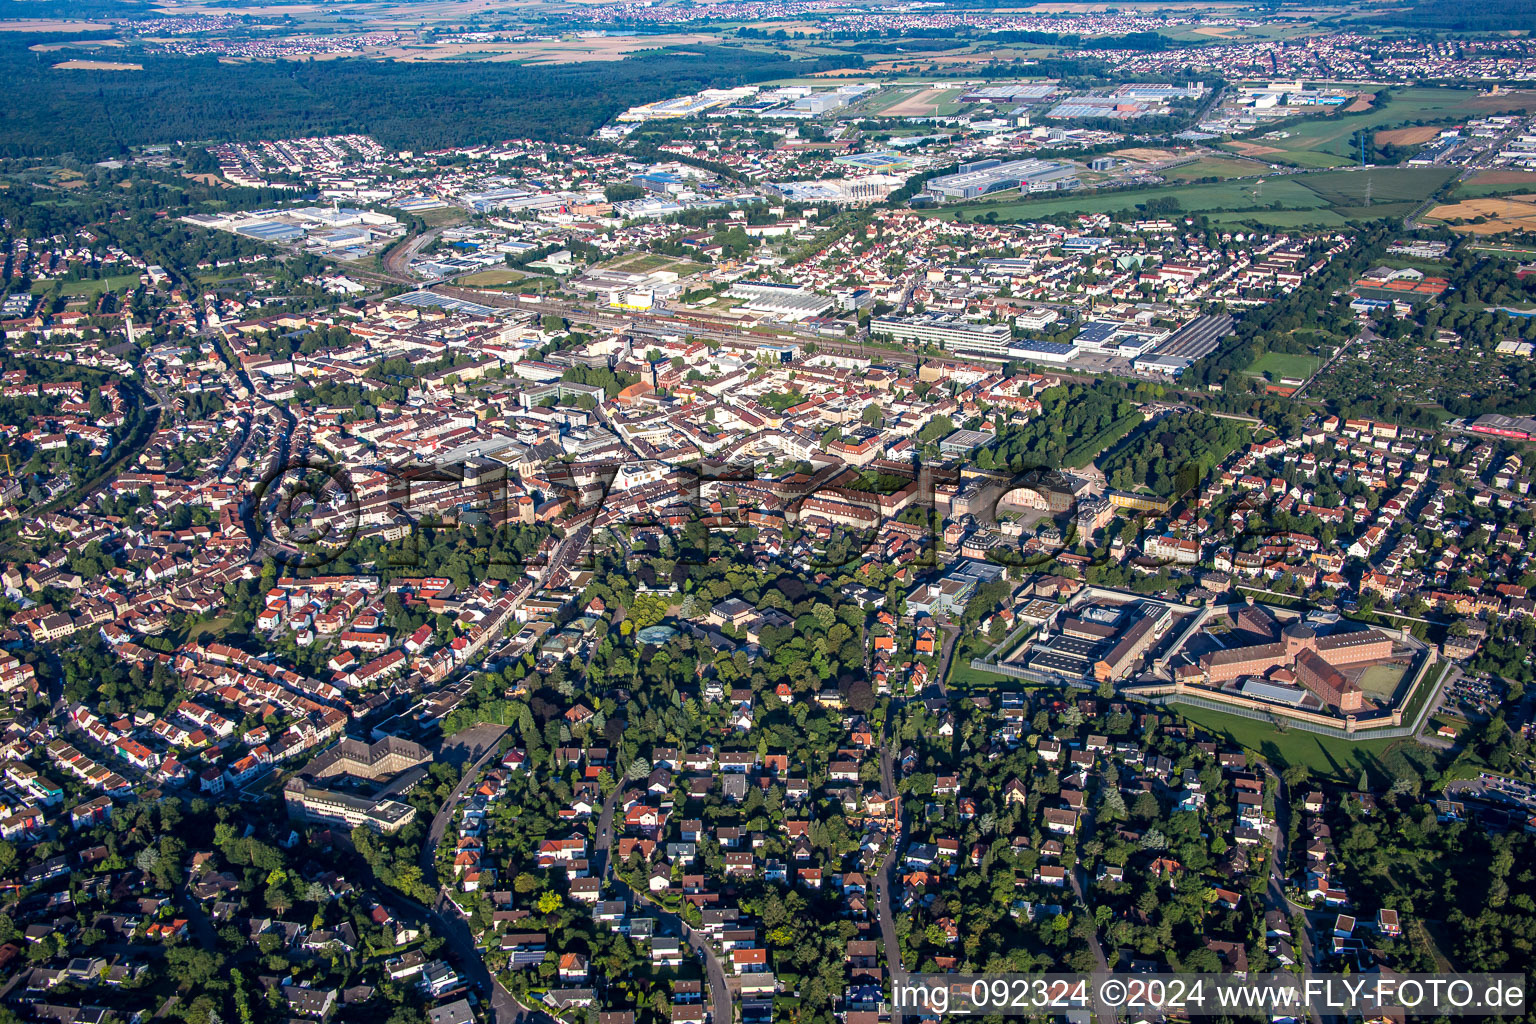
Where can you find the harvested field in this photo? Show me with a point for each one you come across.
(1407, 136)
(1507, 213)
(1254, 149)
(547, 51)
(53, 25)
(1514, 99)
(96, 65)
(1504, 178)
(1361, 103)
(1146, 156)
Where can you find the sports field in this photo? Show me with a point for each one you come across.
(118, 283)
(1282, 365)
(1381, 682)
(492, 278)
(1506, 250)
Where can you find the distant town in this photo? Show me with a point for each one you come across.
(696, 514)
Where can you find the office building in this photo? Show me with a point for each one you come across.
(949, 333)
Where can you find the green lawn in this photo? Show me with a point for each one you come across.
(1217, 167)
(1476, 191)
(961, 674)
(213, 627)
(1280, 219)
(1385, 184)
(1285, 364)
(116, 283)
(442, 216)
(948, 104)
(1306, 158)
(1341, 760)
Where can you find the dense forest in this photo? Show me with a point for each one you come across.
(1173, 454)
(422, 106)
(1476, 16)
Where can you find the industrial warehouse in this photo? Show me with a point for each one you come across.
(983, 177)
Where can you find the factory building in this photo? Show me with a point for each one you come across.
(981, 177)
(784, 301)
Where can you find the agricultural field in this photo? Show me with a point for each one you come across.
(1496, 183)
(1329, 199)
(1329, 141)
(1385, 185)
(1490, 215)
(1216, 167)
(1415, 136)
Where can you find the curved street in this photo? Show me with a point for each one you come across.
(445, 916)
(722, 1006)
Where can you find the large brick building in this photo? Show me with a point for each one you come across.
(1315, 660)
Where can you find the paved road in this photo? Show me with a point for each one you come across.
(202, 928)
(946, 652)
(1079, 881)
(1279, 862)
(446, 918)
(447, 921)
(722, 1007)
(885, 882)
(1431, 705)
(1366, 336)
(488, 735)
